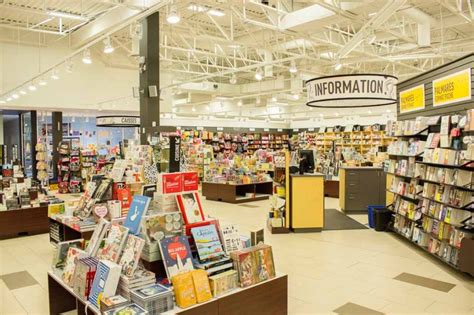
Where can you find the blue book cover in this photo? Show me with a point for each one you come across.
(105, 282)
(176, 255)
(207, 242)
(137, 210)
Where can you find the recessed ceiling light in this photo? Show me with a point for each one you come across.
(86, 57)
(216, 12)
(259, 74)
(173, 16)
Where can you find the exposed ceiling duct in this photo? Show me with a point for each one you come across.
(424, 25)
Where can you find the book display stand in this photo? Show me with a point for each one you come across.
(237, 193)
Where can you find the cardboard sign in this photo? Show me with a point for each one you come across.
(190, 181)
(172, 183)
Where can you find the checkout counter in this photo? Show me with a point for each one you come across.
(306, 211)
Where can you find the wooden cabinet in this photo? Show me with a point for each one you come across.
(360, 187)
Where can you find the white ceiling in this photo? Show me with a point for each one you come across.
(201, 53)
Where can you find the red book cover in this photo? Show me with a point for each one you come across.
(125, 197)
(190, 207)
(172, 183)
(190, 181)
(116, 186)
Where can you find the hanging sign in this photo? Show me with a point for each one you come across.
(412, 99)
(453, 88)
(118, 121)
(351, 90)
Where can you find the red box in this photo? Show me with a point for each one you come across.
(172, 183)
(190, 181)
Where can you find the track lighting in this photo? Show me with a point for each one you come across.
(259, 74)
(42, 82)
(32, 87)
(22, 92)
(173, 16)
(69, 66)
(233, 79)
(15, 96)
(108, 48)
(55, 75)
(86, 57)
(293, 68)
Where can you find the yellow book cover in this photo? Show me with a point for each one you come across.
(184, 289)
(201, 285)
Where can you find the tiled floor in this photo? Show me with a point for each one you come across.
(333, 272)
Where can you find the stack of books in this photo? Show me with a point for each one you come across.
(217, 266)
(151, 252)
(155, 299)
(166, 203)
(141, 278)
(116, 301)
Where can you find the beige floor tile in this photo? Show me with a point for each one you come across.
(8, 302)
(443, 308)
(33, 299)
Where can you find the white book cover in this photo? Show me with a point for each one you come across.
(231, 238)
(105, 281)
(97, 237)
(131, 255)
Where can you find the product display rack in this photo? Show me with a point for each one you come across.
(426, 213)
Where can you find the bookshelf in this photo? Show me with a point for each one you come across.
(432, 187)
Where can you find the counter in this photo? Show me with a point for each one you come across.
(360, 187)
(306, 202)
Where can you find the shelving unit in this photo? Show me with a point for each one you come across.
(432, 201)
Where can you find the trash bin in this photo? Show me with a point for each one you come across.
(382, 218)
(370, 213)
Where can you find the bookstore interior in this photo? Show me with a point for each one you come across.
(236, 157)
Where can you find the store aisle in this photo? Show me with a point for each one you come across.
(330, 272)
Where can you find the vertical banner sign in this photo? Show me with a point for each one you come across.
(412, 99)
(453, 88)
(175, 153)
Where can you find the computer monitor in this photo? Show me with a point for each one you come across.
(307, 161)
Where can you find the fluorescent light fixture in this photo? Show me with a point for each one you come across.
(293, 68)
(196, 8)
(216, 12)
(32, 87)
(173, 16)
(55, 75)
(42, 82)
(15, 96)
(259, 74)
(233, 79)
(86, 57)
(22, 92)
(235, 46)
(108, 48)
(68, 15)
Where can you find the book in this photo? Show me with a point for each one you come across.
(256, 237)
(131, 255)
(207, 242)
(105, 281)
(161, 225)
(223, 282)
(112, 302)
(129, 309)
(73, 253)
(230, 238)
(264, 263)
(97, 237)
(138, 209)
(201, 286)
(118, 170)
(124, 195)
(59, 257)
(190, 207)
(183, 287)
(113, 243)
(243, 263)
(84, 275)
(176, 255)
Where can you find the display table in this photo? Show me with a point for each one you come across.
(237, 193)
(306, 202)
(24, 221)
(60, 232)
(63, 299)
(268, 297)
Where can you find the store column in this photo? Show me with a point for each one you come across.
(149, 78)
(57, 128)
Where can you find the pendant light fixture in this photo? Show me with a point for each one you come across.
(108, 48)
(32, 87)
(55, 74)
(86, 57)
(173, 16)
(293, 68)
(259, 74)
